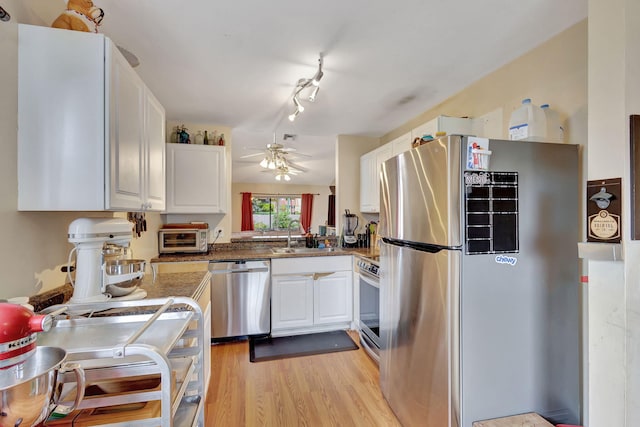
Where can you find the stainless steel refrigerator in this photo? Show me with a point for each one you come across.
(479, 289)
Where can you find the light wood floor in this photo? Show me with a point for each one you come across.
(335, 389)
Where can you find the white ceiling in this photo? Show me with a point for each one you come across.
(236, 63)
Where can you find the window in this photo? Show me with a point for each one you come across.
(273, 213)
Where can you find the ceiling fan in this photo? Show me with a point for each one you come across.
(275, 158)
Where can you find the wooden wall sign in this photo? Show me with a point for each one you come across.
(604, 207)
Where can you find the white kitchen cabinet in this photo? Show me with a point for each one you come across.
(332, 298)
(90, 133)
(450, 125)
(196, 179)
(311, 294)
(400, 144)
(370, 166)
(291, 301)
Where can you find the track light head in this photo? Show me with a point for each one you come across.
(293, 116)
(313, 95)
(316, 79)
(303, 84)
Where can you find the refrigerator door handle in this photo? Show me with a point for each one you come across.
(423, 247)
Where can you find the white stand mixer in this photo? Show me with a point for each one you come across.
(90, 237)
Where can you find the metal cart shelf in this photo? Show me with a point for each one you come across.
(125, 339)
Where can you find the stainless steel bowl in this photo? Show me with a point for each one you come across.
(118, 267)
(28, 388)
(122, 267)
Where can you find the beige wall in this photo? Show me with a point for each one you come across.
(614, 294)
(320, 200)
(554, 73)
(349, 148)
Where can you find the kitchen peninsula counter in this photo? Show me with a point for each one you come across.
(186, 284)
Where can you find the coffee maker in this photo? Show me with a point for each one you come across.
(349, 226)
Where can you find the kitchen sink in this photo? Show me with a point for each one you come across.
(304, 250)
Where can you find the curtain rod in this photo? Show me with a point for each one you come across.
(278, 194)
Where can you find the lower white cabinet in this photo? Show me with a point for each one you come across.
(311, 294)
(291, 301)
(332, 298)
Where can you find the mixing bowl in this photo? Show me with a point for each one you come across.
(28, 389)
(132, 272)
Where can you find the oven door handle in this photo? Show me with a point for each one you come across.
(369, 280)
(368, 346)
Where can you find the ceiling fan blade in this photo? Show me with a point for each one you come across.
(247, 156)
(247, 162)
(296, 154)
(297, 167)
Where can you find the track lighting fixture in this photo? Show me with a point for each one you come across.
(303, 84)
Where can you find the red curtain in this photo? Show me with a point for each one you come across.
(305, 211)
(331, 214)
(247, 213)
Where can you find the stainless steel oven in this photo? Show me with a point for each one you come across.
(369, 299)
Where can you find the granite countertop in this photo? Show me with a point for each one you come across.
(166, 285)
(249, 253)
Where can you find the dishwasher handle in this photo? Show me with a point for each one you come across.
(235, 270)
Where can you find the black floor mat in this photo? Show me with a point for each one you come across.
(263, 349)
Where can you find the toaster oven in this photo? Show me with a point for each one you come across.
(177, 240)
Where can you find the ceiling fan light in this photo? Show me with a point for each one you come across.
(271, 165)
(287, 177)
(278, 177)
(264, 163)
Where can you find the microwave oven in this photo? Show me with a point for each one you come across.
(177, 240)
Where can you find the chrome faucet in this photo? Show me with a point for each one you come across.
(289, 232)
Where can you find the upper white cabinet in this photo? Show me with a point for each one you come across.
(370, 166)
(400, 144)
(450, 125)
(196, 179)
(90, 133)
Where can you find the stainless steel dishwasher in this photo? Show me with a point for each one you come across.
(240, 299)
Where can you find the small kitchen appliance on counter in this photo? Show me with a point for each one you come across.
(102, 270)
(349, 226)
(183, 238)
(29, 374)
